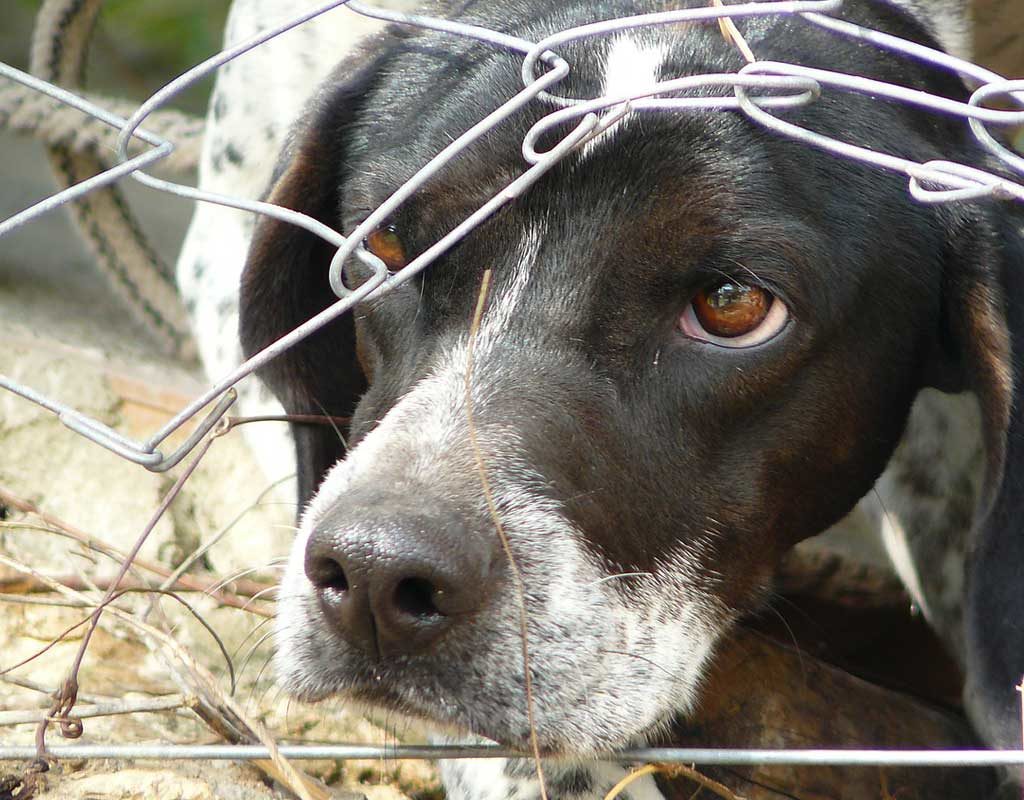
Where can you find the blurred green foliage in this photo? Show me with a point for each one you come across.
(138, 45)
(174, 33)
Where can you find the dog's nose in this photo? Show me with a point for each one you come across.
(393, 576)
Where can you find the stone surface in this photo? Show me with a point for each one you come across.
(64, 335)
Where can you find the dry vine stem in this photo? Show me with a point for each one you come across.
(66, 696)
(212, 706)
(492, 509)
(203, 697)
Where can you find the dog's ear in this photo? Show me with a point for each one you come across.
(985, 309)
(285, 280)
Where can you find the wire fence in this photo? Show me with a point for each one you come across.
(758, 90)
(708, 756)
(932, 182)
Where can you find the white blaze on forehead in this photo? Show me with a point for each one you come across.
(632, 67)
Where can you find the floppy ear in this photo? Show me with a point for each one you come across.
(988, 289)
(285, 280)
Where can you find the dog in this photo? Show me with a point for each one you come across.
(700, 344)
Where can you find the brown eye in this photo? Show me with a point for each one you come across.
(733, 314)
(731, 309)
(386, 244)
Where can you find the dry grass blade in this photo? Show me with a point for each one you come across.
(79, 601)
(732, 34)
(620, 787)
(485, 485)
(204, 548)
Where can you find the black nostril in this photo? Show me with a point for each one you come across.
(415, 597)
(392, 574)
(326, 573)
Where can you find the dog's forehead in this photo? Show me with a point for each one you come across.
(650, 199)
(435, 86)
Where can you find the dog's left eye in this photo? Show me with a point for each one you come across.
(734, 314)
(386, 244)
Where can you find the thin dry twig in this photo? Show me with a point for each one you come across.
(151, 704)
(674, 771)
(20, 585)
(682, 770)
(185, 582)
(485, 485)
(48, 600)
(883, 781)
(34, 686)
(1020, 690)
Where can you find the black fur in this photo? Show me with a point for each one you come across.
(649, 441)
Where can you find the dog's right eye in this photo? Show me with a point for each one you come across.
(733, 314)
(387, 245)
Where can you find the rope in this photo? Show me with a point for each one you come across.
(81, 147)
(23, 110)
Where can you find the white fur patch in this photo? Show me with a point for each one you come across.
(488, 779)
(631, 68)
(929, 494)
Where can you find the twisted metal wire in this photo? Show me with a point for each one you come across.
(933, 182)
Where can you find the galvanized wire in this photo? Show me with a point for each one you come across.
(757, 89)
(708, 756)
(935, 181)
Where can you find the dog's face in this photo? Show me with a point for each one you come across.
(698, 345)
